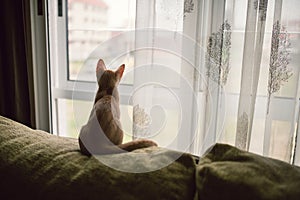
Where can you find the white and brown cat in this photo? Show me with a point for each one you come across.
(103, 133)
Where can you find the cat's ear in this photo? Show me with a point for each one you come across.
(119, 72)
(100, 68)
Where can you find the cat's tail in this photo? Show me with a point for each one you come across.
(137, 144)
(91, 148)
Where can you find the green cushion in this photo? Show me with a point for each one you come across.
(226, 172)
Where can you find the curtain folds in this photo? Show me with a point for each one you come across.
(16, 75)
(229, 72)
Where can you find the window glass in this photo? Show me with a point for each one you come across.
(90, 23)
(70, 122)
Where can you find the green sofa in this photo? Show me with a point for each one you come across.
(37, 165)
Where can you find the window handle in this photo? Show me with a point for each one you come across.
(60, 8)
(40, 7)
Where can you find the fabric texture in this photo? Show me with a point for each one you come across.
(37, 165)
(241, 62)
(16, 68)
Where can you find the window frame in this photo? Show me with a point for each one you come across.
(63, 87)
(40, 58)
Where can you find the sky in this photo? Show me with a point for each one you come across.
(118, 12)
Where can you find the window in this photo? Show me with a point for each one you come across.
(72, 41)
(188, 70)
(73, 82)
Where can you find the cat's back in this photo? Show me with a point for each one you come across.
(108, 115)
(106, 106)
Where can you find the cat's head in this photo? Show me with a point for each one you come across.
(108, 79)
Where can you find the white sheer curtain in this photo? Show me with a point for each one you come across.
(218, 71)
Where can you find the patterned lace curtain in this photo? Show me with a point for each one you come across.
(218, 71)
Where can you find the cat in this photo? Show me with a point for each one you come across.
(103, 133)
